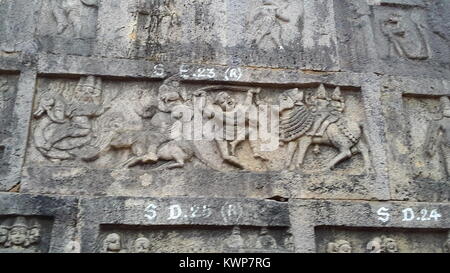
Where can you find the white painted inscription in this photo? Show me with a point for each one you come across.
(229, 212)
(409, 214)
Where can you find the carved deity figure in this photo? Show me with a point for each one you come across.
(65, 127)
(235, 240)
(141, 245)
(406, 37)
(34, 233)
(438, 135)
(319, 121)
(224, 112)
(68, 15)
(265, 240)
(267, 20)
(382, 244)
(18, 235)
(112, 244)
(339, 246)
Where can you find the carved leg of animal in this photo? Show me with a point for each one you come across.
(344, 154)
(256, 154)
(303, 146)
(362, 147)
(292, 147)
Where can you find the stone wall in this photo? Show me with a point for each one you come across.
(101, 150)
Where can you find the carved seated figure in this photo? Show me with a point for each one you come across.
(339, 246)
(65, 128)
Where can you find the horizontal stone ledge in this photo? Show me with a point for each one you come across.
(417, 86)
(78, 65)
(184, 211)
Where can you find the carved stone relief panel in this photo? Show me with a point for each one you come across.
(418, 136)
(280, 33)
(25, 234)
(429, 131)
(398, 37)
(68, 26)
(198, 239)
(357, 240)
(8, 94)
(92, 126)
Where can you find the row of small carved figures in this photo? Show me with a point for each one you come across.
(382, 244)
(235, 243)
(20, 235)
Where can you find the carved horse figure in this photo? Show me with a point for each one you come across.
(296, 121)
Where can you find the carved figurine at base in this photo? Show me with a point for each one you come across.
(141, 245)
(112, 244)
(235, 241)
(339, 246)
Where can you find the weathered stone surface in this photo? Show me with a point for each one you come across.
(113, 103)
(394, 37)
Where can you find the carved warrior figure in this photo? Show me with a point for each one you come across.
(156, 142)
(65, 127)
(224, 112)
(382, 244)
(339, 246)
(319, 122)
(406, 37)
(438, 135)
(268, 21)
(68, 15)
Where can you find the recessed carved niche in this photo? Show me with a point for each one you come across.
(25, 234)
(198, 239)
(428, 120)
(373, 240)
